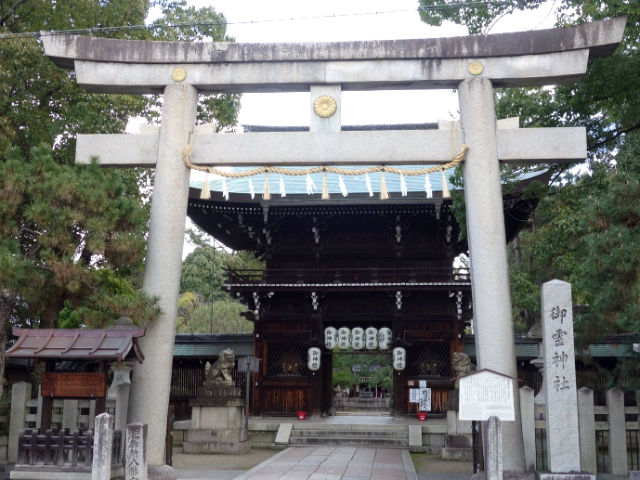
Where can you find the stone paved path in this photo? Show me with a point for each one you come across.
(335, 463)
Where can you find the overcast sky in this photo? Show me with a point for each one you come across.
(302, 21)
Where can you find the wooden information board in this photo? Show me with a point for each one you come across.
(74, 385)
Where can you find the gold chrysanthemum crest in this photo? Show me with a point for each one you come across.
(178, 74)
(325, 106)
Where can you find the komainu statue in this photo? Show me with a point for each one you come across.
(219, 374)
(461, 366)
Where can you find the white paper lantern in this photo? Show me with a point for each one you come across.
(399, 358)
(344, 338)
(371, 338)
(330, 338)
(313, 359)
(357, 338)
(385, 336)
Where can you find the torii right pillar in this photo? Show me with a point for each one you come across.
(493, 324)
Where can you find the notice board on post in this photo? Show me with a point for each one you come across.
(74, 385)
(485, 394)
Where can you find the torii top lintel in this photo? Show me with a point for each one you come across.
(510, 59)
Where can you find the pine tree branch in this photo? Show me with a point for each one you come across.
(613, 136)
(12, 9)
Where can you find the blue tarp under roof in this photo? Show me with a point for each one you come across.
(354, 184)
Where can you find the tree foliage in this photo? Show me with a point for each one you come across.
(585, 229)
(72, 239)
(351, 369)
(204, 306)
(222, 316)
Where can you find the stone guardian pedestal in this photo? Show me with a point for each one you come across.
(217, 413)
(217, 426)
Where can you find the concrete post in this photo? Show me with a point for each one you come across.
(39, 407)
(494, 451)
(102, 445)
(488, 249)
(20, 393)
(119, 394)
(70, 414)
(527, 414)
(617, 433)
(587, 428)
(135, 466)
(152, 379)
(452, 422)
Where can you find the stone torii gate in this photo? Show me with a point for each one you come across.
(474, 65)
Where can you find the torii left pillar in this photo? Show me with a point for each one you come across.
(152, 380)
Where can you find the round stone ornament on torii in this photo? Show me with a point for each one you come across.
(474, 65)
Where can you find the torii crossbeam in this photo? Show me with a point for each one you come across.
(474, 65)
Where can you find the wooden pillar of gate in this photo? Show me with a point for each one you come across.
(260, 351)
(399, 377)
(316, 384)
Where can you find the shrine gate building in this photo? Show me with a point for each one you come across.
(354, 262)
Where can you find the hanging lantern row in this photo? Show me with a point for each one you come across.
(358, 338)
(311, 186)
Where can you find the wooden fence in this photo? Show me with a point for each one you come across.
(26, 413)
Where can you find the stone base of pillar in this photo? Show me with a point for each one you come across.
(227, 440)
(161, 472)
(506, 475)
(46, 472)
(565, 476)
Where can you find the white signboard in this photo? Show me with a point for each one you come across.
(414, 395)
(425, 400)
(485, 394)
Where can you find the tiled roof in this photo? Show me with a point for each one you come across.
(76, 344)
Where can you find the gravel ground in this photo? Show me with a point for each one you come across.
(217, 466)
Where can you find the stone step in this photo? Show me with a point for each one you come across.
(351, 434)
(362, 412)
(302, 426)
(351, 441)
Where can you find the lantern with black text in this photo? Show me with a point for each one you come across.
(384, 338)
(357, 338)
(399, 358)
(330, 338)
(313, 359)
(371, 338)
(344, 338)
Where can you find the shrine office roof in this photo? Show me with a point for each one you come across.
(76, 344)
(212, 345)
